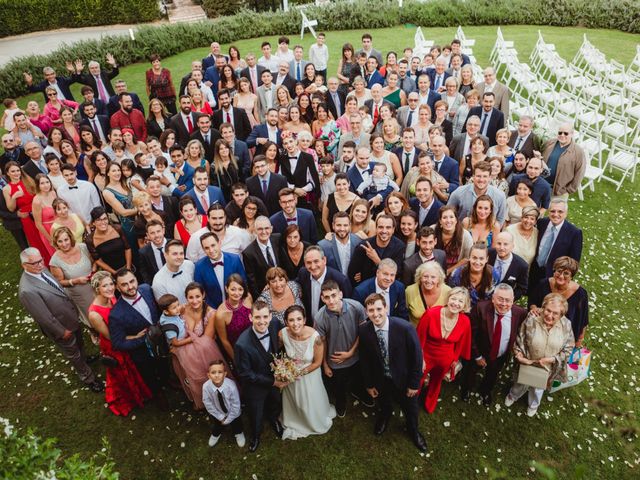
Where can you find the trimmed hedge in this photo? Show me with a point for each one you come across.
(23, 16)
(169, 40)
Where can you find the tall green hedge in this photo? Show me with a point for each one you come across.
(23, 16)
(169, 40)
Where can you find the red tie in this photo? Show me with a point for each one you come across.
(189, 125)
(228, 118)
(203, 200)
(495, 339)
(375, 114)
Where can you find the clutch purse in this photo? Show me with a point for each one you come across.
(533, 376)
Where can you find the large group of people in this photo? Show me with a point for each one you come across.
(377, 224)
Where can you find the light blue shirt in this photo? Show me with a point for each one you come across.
(177, 321)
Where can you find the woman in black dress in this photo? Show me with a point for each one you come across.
(339, 201)
(107, 243)
(292, 248)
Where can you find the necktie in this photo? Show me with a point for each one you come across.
(438, 82)
(376, 114)
(407, 162)
(270, 258)
(495, 339)
(94, 122)
(336, 102)
(203, 201)
(385, 354)
(189, 124)
(206, 138)
(402, 84)
(545, 246)
(223, 406)
(254, 81)
(228, 117)
(438, 164)
(517, 145)
(483, 123)
(42, 165)
(498, 269)
(162, 260)
(410, 118)
(137, 300)
(52, 283)
(264, 188)
(298, 73)
(102, 91)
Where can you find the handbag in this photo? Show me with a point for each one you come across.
(533, 376)
(109, 361)
(453, 372)
(578, 369)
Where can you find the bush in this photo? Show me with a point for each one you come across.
(37, 15)
(169, 40)
(26, 456)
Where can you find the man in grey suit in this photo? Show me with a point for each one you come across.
(46, 301)
(408, 114)
(266, 95)
(461, 143)
(356, 135)
(501, 91)
(297, 65)
(339, 249)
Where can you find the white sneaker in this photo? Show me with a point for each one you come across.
(240, 440)
(213, 440)
(531, 412)
(508, 401)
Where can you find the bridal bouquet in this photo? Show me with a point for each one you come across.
(285, 369)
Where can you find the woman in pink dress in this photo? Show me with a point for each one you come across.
(247, 100)
(125, 387)
(18, 195)
(43, 212)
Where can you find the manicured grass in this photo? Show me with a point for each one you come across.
(592, 426)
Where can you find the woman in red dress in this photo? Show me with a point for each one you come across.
(190, 221)
(125, 387)
(18, 195)
(445, 336)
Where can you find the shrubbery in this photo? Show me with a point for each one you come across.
(172, 39)
(25, 16)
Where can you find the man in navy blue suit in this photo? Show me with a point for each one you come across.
(238, 148)
(61, 84)
(438, 75)
(291, 215)
(98, 123)
(204, 194)
(556, 238)
(266, 185)
(445, 166)
(340, 248)
(426, 96)
(372, 76)
(508, 267)
(425, 204)
(265, 132)
(491, 119)
(311, 278)
(131, 316)
(385, 283)
(213, 270)
(361, 170)
(391, 365)
(408, 153)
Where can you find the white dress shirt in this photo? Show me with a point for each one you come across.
(263, 341)
(315, 293)
(158, 252)
(506, 332)
(344, 254)
(230, 396)
(82, 199)
(140, 306)
(263, 249)
(385, 293)
(505, 264)
(235, 241)
(166, 281)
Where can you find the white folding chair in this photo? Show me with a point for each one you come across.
(592, 143)
(591, 175)
(617, 128)
(624, 159)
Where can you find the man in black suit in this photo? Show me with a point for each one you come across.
(311, 278)
(98, 123)
(335, 98)
(523, 139)
(427, 252)
(114, 102)
(299, 169)
(11, 153)
(98, 79)
(376, 102)
(152, 254)
(556, 238)
(89, 96)
(391, 365)
(167, 205)
(253, 72)
(61, 84)
(265, 185)
(425, 204)
(283, 78)
(253, 354)
(229, 114)
(495, 324)
(261, 255)
(508, 267)
(206, 135)
(408, 153)
(491, 119)
(184, 122)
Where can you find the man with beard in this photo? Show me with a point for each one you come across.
(265, 132)
(128, 117)
(343, 243)
(232, 239)
(229, 114)
(184, 122)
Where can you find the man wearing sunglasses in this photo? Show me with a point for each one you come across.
(565, 161)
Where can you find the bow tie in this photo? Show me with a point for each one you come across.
(176, 274)
(266, 335)
(72, 188)
(294, 219)
(293, 158)
(217, 264)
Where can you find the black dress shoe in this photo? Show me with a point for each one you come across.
(253, 446)
(97, 386)
(277, 428)
(92, 358)
(420, 442)
(487, 400)
(464, 395)
(381, 425)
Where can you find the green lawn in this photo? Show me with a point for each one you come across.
(592, 427)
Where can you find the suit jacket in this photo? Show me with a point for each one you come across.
(345, 137)
(432, 77)
(403, 116)
(412, 263)
(482, 324)
(330, 249)
(362, 264)
(407, 84)
(182, 133)
(332, 106)
(355, 177)
(206, 276)
(502, 95)
(262, 107)
(256, 265)
(64, 84)
(372, 53)
(147, 266)
(103, 120)
(214, 136)
(241, 152)
(432, 215)
(19, 157)
(369, 105)
(529, 145)
(405, 355)
(288, 82)
(245, 73)
(253, 362)
(304, 279)
(568, 242)
(398, 305)
(52, 309)
(87, 79)
(413, 160)
(373, 78)
(215, 196)
(292, 69)
(306, 222)
(114, 103)
(210, 74)
(305, 167)
(31, 169)
(456, 147)
(276, 183)
(517, 275)
(261, 131)
(450, 170)
(124, 320)
(170, 211)
(241, 123)
(496, 122)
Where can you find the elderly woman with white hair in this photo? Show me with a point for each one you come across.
(545, 340)
(427, 291)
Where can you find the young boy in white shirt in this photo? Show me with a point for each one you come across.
(222, 400)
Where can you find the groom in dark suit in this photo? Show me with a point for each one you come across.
(253, 357)
(391, 361)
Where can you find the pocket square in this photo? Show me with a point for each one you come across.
(511, 279)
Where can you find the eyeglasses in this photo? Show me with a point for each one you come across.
(52, 94)
(563, 133)
(33, 264)
(101, 219)
(413, 99)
